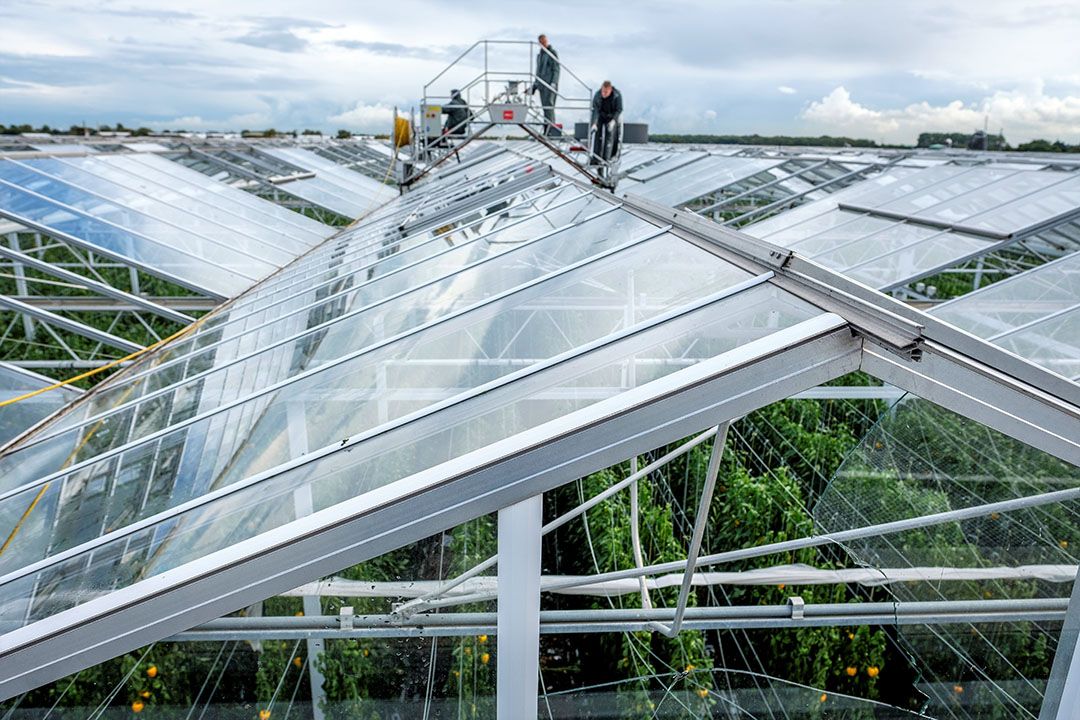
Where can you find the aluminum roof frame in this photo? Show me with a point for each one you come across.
(1041, 299)
(136, 204)
(59, 321)
(970, 242)
(291, 179)
(860, 328)
(103, 289)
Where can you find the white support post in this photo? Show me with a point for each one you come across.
(518, 649)
(303, 505)
(1062, 698)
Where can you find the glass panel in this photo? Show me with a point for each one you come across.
(824, 233)
(891, 178)
(1043, 207)
(219, 228)
(197, 185)
(211, 204)
(701, 178)
(1053, 343)
(244, 255)
(20, 416)
(398, 385)
(923, 188)
(890, 237)
(922, 459)
(358, 320)
(919, 259)
(367, 188)
(378, 385)
(1015, 187)
(420, 259)
(319, 191)
(677, 160)
(225, 278)
(1016, 301)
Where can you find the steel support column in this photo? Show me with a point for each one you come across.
(304, 505)
(1062, 698)
(518, 651)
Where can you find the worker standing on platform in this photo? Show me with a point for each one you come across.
(547, 82)
(606, 116)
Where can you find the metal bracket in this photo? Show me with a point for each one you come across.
(798, 607)
(345, 615)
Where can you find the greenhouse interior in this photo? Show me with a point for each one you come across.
(314, 428)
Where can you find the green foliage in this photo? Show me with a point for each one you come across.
(17, 345)
(959, 140)
(73, 130)
(1056, 146)
(755, 139)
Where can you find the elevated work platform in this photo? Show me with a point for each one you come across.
(494, 84)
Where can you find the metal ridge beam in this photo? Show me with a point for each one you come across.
(829, 290)
(891, 321)
(70, 325)
(128, 299)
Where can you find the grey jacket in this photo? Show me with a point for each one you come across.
(612, 112)
(457, 112)
(547, 68)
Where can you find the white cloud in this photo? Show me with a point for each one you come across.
(710, 114)
(1022, 114)
(136, 62)
(373, 118)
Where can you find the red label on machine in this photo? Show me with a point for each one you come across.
(508, 114)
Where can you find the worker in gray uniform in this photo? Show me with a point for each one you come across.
(607, 110)
(547, 82)
(457, 115)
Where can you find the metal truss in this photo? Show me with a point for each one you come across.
(57, 284)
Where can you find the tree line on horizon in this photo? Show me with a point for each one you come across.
(925, 140)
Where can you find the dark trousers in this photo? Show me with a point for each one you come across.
(547, 99)
(606, 140)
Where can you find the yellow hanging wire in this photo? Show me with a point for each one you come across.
(106, 366)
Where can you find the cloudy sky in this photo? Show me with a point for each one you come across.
(881, 69)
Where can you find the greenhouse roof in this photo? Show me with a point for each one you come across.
(158, 216)
(496, 332)
(335, 187)
(1035, 314)
(908, 223)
